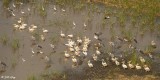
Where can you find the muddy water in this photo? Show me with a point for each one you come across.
(55, 21)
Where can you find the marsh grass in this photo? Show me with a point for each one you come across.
(148, 49)
(37, 36)
(54, 39)
(53, 76)
(32, 78)
(134, 57)
(6, 3)
(13, 63)
(15, 44)
(4, 39)
(42, 10)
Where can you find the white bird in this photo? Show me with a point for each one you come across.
(95, 57)
(130, 65)
(20, 20)
(23, 60)
(31, 29)
(33, 38)
(74, 23)
(32, 50)
(146, 68)
(142, 59)
(138, 67)
(13, 14)
(66, 54)
(124, 65)
(47, 58)
(22, 12)
(33, 26)
(84, 25)
(70, 35)
(96, 36)
(52, 46)
(42, 37)
(45, 30)
(62, 34)
(104, 63)
(29, 9)
(111, 43)
(14, 5)
(79, 41)
(74, 60)
(54, 8)
(117, 63)
(22, 27)
(42, 8)
(90, 64)
(63, 10)
(85, 53)
(71, 49)
(98, 52)
(16, 26)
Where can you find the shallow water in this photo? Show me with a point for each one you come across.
(55, 21)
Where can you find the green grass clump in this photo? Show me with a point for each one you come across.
(134, 57)
(6, 3)
(4, 39)
(15, 44)
(32, 78)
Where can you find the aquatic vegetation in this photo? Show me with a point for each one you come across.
(4, 39)
(15, 44)
(32, 78)
(13, 62)
(6, 3)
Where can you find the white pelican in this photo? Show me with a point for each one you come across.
(20, 20)
(84, 25)
(138, 67)
(42, 8)
(142, 59)
(33, 38)
(77, 53)
(85, 53)
(96, 36)
(22, 12)
(45, 30)
(130, 65)
(42, 37)
(54, 8)
(90, 64)
(22, 27)
(23, 60)
(28, 9)
(111, 43)
(66, 54)
(62, 34)
(31, 29)
(74, 60)
(71, 49)
(52, 46)
(70, 35)
(104, 63)
(124, 65)
(13, 14)
(77, 48)
(98, 52)
(63, 10)
(146, 68)
(33, 26)
(153, 43)
(74, 23)
(79, 41)
(47, 58)
(117, 63)
(14, 5)
(16, 26)
(95, 57)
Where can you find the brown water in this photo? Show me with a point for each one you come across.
(55, 21)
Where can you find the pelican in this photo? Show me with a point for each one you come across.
(84, 25)
(47, 58)
(98, 52)
(63, 10)
(138, 67)
(142, 59)
(42, 37)
(90, 64)
(23, 26)
(111, 43)
(95, 57)
(34, 27)
(79, 40)
(23, 60)
(124, 65)
(33, 38)
(20, 20)
(16, 26)
(106, 17)
(77, 48)
(104, 63)
(42, 8)
(28, 9)
(66, 54)
(130, 65)
(40, 52)
(70, 35)
(14, 5)
(146, 68)
(96, 36)
(85, 53)
(22, 12)
(54, 8)
(117, 63)
(126, 40)
(77, 53)
(74, 23)
(71, 49)
(31, 29)
(52, 46)
(153, 43)
(62, 34)
(45, 30)
(13, 14)
(74, 60)
(32, 50)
